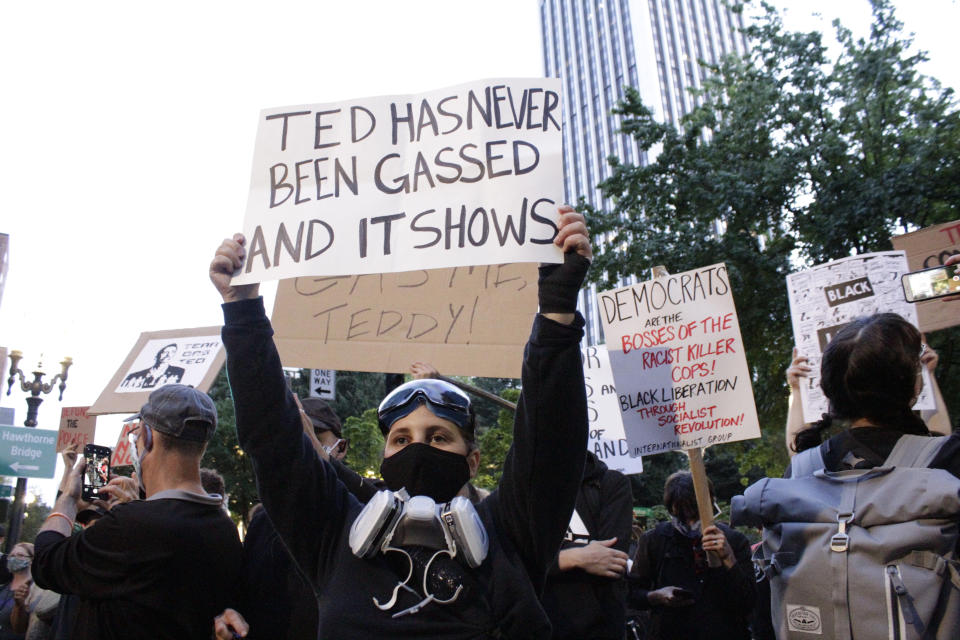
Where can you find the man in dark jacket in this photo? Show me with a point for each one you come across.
(157, 568)
(585, 593)
(670, 575)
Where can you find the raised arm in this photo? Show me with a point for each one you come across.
(298, 489)
(796, 373)
(543, 468)
(938, 419)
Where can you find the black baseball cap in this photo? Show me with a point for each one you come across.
(323, 417)
(180, 411)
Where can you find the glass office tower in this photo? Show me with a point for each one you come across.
(597, 47)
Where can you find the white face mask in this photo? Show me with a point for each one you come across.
(135, 457)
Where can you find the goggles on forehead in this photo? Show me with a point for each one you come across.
(444, 400)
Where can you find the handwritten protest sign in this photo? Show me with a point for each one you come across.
(677, 357)
(463, 320)
(184, 356)
(122, 456)
(825, 298)
(460, 176)
(607, 440)
(76, 427)
(927, 248)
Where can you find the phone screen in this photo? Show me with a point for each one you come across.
(97, 473)
(931, 283)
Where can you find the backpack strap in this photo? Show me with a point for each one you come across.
(807, 462)
(915, 451)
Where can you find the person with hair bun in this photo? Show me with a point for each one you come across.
(870, 374)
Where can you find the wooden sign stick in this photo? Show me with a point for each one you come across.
(699, 472)
(483, 393)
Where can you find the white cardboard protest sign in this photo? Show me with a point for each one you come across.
(825, 298)
(607, 440)
(678, 361)
(122, 453)
(76, 427)
(185, 356)
(466, 175)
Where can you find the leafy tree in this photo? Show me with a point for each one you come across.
(225, 455)
(34, 514)
(494, 443)
(790, 159)
(358, 391)
(366, 443)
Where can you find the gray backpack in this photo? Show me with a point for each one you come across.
(863, 554)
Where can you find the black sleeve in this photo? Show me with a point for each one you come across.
(642, 576)
(92, 563)
(739, 586)
(298, 489)
(949, 456)
(543, 469)
(362, 488)
(616, 510)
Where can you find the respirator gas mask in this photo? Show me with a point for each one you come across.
(392, 520)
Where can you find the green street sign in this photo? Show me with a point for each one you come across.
(28, 453)
(5, 491)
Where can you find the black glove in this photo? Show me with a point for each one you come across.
(559, 284)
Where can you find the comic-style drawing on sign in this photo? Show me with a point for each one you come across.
(461, 176)
(607, 440)
(677, 357)
(825, 298)
(163, 362)
(184, 356)
(161, 373)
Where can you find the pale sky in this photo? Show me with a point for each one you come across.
(127, 130)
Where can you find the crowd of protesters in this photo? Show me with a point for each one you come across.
(421, 552)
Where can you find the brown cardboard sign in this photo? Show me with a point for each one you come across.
(184, 356)
(930, 247)
(77, 427)
(463, 320)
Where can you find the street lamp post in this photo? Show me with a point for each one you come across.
(36, 387)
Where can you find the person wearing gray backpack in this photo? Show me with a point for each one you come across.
(861, 539)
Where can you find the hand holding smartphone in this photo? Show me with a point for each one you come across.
(97, 473)
(929, 284)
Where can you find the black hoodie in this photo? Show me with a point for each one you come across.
(313, 511)
(581, 605)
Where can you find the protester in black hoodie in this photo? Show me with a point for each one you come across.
(524, 519)
(670, 575)
(585, 593)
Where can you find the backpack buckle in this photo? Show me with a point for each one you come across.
(840, 542)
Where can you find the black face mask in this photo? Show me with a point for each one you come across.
(426, 471)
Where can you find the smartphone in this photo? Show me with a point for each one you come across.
(928, 284)
(97, 473)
